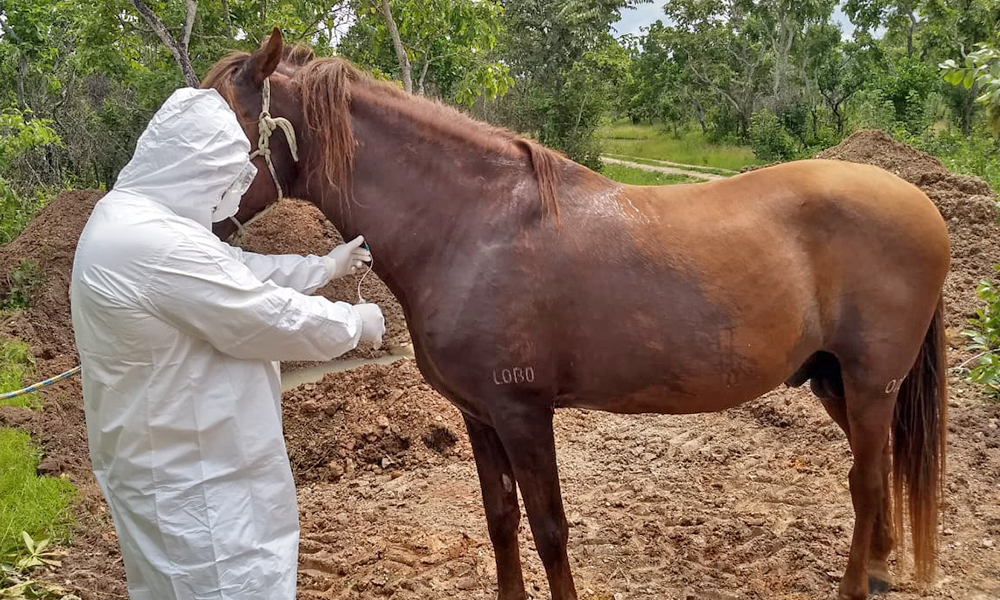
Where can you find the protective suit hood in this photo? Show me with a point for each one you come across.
(192, 152)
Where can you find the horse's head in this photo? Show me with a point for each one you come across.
(247, 82)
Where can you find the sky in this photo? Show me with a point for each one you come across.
(645, 14)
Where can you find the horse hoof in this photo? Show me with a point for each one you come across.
(877, 585)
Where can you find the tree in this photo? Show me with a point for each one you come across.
(567, 67)
(438, 47)
(178, 47)
(783, 25)
(837, 68)
(397, 45)
(899, 17)
(718, 43)
(980, 68)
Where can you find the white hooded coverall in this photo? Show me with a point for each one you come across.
(176, 332)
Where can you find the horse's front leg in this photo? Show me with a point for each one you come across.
(526, 433)
(496, 479)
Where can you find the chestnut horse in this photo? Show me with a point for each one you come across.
(530, 283)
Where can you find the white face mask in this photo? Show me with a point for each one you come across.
(230, 204)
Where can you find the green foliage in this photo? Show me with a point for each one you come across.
(23, 143)
(17, 366)
(633, 176)
(907, 85)
(18, 585)
(872, 110)
(568, 70)
(22, 281)
(34, 554)
(978, 154)
(29, 503)
(20, 134)
(984, 334)
(981, 69)
(769, 139)
(450, 45)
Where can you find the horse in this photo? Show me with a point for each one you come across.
(531, 283)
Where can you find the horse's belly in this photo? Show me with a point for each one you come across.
(666, 399)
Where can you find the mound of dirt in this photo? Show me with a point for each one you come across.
(376, 417)
(967, 203)
(50, 240)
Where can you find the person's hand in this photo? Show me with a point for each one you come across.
(346, 259)
(373, 323)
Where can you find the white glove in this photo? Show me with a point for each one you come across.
(346, 259)
(373, 323)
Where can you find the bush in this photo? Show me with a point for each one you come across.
(978, 154)
(20, 285)
(985, 336)
(17, 365)
(769, 139)
(871, 110)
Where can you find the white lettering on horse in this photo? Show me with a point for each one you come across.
(894, 385)
(513, 375)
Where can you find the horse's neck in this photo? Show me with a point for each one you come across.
(418, 194)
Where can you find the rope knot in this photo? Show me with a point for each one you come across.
(266, 126)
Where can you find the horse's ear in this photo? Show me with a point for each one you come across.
(265, 59)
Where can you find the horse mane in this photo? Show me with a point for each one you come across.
(222, 75)
(327, 85)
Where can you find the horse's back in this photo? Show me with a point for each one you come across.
(728, 287)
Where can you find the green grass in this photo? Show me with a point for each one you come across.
(664, 163)
(649, 141)
(633, 176)
(38, 505)
(17, 365)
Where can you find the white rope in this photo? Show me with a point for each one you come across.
(371, 263)
(266, 126)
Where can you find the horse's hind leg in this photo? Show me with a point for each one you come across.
(527, 433)
(496, 479)
(869, 413)
(879, 579)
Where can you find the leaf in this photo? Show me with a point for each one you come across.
(970, 78)
(28, 542)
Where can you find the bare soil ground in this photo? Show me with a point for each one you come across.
(747, 503)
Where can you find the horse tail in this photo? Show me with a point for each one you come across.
(918, 447)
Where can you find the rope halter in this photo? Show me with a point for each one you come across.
(266, 126)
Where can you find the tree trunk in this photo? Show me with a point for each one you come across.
(423, 75)
(968, 109)
(229, 18)
(909, 35)
(397, 44)
(22, 74)
(699, 111)
(178, 49)
(839, 117)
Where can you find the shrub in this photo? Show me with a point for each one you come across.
(769, 139)
(985, 337)
(20, 284)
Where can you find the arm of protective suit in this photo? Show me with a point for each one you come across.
(304, 274)
(205, 292)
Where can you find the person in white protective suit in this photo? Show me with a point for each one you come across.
(177, 332)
